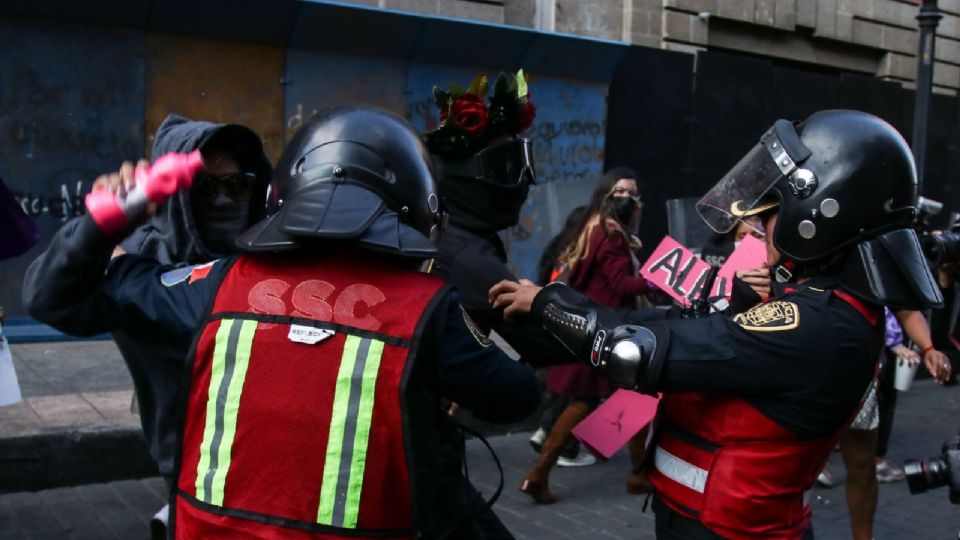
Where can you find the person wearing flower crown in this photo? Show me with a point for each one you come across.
(484, 172)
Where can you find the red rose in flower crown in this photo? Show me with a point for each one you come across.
(529, 113)
(467, 124)
(470, 113)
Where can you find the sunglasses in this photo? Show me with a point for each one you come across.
(237, 186)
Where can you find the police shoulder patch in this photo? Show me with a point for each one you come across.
(475, 331)
(776, 316)
(193, 273)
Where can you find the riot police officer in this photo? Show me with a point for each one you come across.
(312, 404)
(755, 402)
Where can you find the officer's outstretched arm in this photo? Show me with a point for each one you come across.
(630, 355)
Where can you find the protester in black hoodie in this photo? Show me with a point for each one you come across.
(195, 226)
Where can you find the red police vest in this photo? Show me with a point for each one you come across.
(295, 424)
(722, 462)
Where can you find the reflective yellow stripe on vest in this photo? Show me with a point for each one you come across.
(231, 356)
(349, 432)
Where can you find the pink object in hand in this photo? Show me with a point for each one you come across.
(155, 184)
(167, 175)
(104, 208)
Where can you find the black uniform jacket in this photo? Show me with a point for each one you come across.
(473, 264)
(804, 358)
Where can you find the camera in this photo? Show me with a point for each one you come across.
(944, 470)
(939, 248)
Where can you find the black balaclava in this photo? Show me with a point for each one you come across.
(220, 221)
(480, 205)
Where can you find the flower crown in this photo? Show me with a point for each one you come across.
(467, 124)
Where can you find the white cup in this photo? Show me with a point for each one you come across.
(904, 374)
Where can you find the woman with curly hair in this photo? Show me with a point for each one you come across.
(599, 257)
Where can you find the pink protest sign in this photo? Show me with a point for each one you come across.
(676, 270)
(613, 423)
(751, 253)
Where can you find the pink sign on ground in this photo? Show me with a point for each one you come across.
(751, 253)
(612, 424)
(676, 270)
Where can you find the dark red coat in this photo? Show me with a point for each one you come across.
(606, 275)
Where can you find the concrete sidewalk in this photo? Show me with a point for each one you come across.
(68, 385)
(76, 410)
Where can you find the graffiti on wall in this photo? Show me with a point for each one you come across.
(569, 150)
(71, 108)
(68, 203)
(568, 140)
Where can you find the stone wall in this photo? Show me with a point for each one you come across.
(876, 37)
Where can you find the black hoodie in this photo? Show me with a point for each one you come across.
(171, 235)
(155, 357)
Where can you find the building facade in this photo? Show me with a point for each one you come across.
(875, 37)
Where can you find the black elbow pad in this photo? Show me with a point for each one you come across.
(627, 355)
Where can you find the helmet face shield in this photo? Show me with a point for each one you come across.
(738, 194)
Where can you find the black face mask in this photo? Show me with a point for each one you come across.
(486, 192)
(480, 205)
(623, 208)
(220, 221)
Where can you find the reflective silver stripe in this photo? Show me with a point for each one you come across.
(680, 471)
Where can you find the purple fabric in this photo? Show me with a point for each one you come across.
(18, 233)
(893, 335)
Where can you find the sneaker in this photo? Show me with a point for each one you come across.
(825, 479)
(888, 472)
(158, 525)
(536, 440)
(584, 458)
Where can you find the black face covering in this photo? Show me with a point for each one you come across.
(623, 208)
(220, 221)
(482, 206)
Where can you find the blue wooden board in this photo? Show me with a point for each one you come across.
(71, 108)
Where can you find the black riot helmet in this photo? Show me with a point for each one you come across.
(843, 182)
(354, 173)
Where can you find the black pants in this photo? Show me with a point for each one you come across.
(672, 526)
(485, 526)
